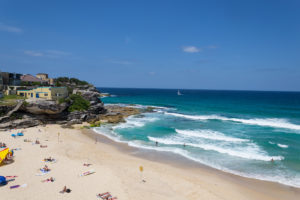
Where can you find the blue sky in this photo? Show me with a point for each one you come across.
(243, 45)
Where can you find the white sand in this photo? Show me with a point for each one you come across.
(117, 172)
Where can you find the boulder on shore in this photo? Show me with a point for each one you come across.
(42, 106)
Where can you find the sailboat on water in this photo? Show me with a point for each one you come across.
(178, 93)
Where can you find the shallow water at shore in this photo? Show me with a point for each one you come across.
(237, 132)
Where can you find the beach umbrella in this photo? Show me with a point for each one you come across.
(3, 154)
(3, 180)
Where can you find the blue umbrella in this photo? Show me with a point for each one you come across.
(3, 180)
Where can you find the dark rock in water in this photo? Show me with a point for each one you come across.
(112, 118)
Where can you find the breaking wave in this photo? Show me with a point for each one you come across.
(247, 152)
(208, 134)
(271, 122)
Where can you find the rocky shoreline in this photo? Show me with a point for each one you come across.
(30, 113)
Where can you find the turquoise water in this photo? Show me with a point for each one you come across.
(235, 131)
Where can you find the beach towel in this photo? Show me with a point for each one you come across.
(44, 171)
(41, 174)
(20, 134)
(92, 171)
(48, 180)
(17, 186)
(13, 135)
(11, 176)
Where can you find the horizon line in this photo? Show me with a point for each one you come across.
(241, 90)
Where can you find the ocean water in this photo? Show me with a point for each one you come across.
(240, 132)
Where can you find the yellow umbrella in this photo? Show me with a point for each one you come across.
(3, 154)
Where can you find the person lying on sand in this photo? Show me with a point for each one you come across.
(2, 145)
(49, 159)
(65, 189)
(27, 140)
(46, 169)
(49, 180)
(37, 142)
(86, 164)
(43, 146)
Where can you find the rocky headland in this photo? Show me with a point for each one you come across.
(33, 112)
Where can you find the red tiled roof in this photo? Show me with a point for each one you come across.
(30, 78)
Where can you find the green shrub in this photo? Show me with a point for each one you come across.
(96, 124)
(63, 100)
(78, 103)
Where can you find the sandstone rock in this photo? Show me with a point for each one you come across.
(42, 106)
(112, 118)
(20, 123)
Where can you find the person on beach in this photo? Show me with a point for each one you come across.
(49, 159)
(272, 160)
(183, 144)
(65, 189)
(46, 169)
(2, 145)
(156, 143)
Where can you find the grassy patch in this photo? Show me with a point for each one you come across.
(11, 97)
(10, 100)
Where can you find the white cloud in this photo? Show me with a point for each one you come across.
(127, 40)
(47, 53)
(212, 47)
(191, 49)
(121, 62)
(57, 53)
(33, 53)
(12, 29)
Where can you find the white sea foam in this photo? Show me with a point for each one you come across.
(250, 151)
(138, 144)
(271, 142)
(271, 122)
(209, 134)
(133, 122)
(283, 145)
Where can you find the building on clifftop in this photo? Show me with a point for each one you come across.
(49, 93)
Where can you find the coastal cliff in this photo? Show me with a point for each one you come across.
(82, 105)
(33, 112)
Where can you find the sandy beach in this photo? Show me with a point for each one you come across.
(117, 171)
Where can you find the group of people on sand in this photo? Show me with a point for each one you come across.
(2, 145)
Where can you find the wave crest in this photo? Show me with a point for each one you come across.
(208, 134)
(249, 152)
(270, 122)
